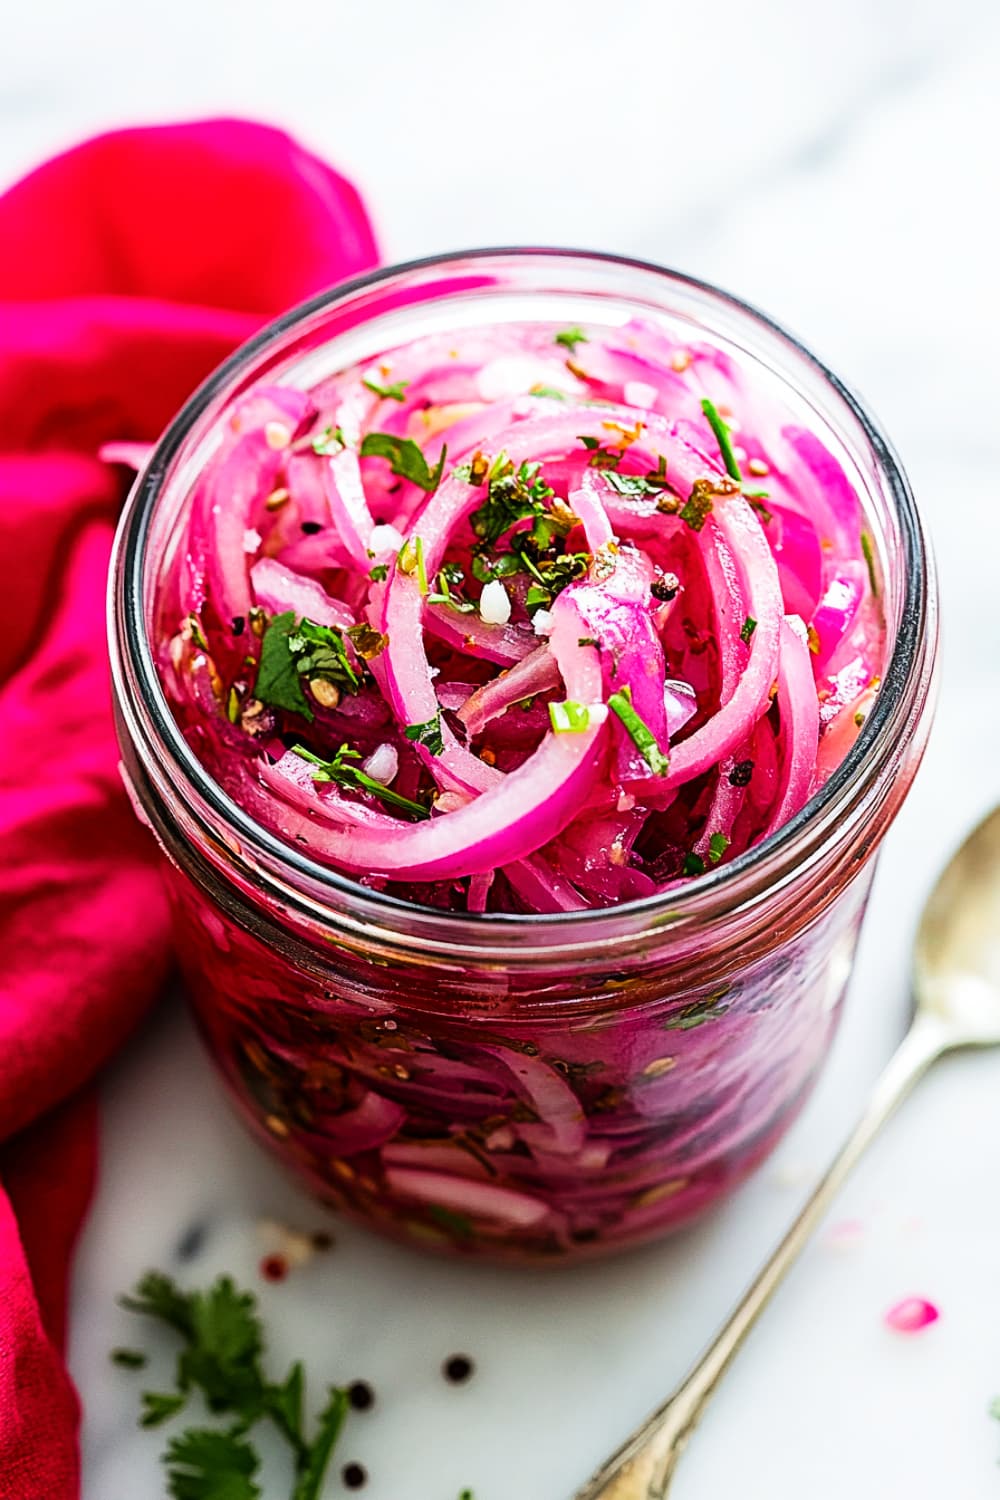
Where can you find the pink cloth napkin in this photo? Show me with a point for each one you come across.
(129, 267)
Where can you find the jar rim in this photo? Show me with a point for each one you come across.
(326, 893)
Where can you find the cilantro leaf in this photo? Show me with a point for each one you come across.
(314, 1466)
(405, 458)
(570, 337)
(548, 391)
(639, 732)
(387, 392)
(158, 1296)
(340, 771)
(693, 865)
(227, 1341)
(635, 484)
(278, 674)
(428, 734)
(206, 1465)
(747, 629)
(158, 1407)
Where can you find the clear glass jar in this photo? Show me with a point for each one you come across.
(539, 1086)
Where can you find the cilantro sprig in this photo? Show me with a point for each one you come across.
(343, 772)
(406, 458)
(221, 1360)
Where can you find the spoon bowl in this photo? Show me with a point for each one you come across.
(956, 988)
(956, 968)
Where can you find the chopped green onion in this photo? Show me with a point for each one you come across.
(717, 846)
(869, 556)
(569, 717)
(640, 733)
(723, 439)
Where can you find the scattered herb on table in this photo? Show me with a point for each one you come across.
(221, 1359)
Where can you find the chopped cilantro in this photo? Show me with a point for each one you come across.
(514, 495)
(548, 391)
(290, 652)
(717, 846)
(589, 640)
(723, 439)
(342, 772)
(379, 573)
(405, 458)
(698, 506)
(639, 732)
(636, 484)
(128, 1359)
(569, 717)
(159, 1407)
(429, 734)
(693, 865)
(747, 629)
(278, 675)
(387, 392)
(698, 1013)
(570, 337)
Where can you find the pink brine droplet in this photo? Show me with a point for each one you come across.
(912, 1315)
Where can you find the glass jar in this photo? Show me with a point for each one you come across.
(524, 1086)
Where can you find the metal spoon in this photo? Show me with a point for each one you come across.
(956, 983)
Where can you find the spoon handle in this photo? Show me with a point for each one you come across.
(644, 1466)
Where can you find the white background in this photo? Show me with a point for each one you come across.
(837, 165)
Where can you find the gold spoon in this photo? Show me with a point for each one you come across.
(956, 983)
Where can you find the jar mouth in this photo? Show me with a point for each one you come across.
(324, 891)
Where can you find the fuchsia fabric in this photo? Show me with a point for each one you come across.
(129, 267)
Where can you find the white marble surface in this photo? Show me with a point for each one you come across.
(838, 166)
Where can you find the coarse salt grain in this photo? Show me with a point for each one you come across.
(541, 622)
(494, 603)
(251, 540)
(384, 539)
(382, 765)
